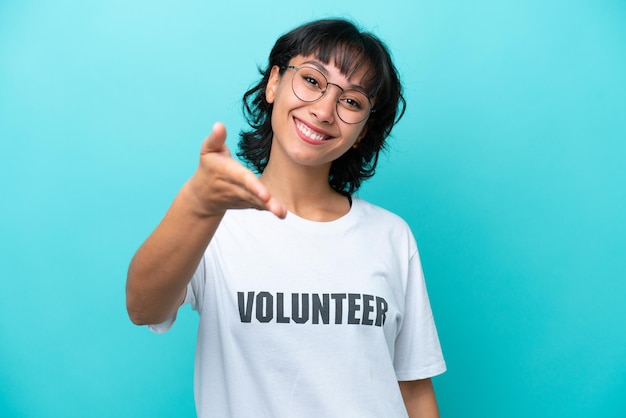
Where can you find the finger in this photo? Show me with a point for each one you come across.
(273, 205)
(248, 181)
(277, 208)
(262, 195)
(216, 140)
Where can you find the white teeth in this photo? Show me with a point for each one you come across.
(309, 133)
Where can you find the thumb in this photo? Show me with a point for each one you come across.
(215, 142)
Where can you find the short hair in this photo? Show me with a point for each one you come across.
(351, 50)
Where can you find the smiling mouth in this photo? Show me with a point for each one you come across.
(309, 133)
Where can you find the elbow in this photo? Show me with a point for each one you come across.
(133, 300)
(141, 312)
(142, 317)
(136, 319)
(146, 306)
(136, 316)
(137, 309)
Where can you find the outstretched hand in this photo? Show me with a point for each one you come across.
(221, 182)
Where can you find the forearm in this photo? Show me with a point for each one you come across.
(162, 267)
(164, 264)
(419, 398)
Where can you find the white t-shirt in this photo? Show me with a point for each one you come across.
(310, 319)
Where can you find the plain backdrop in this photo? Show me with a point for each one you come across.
(509, 165)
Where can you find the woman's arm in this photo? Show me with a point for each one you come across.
(162, 267)
(419, 398)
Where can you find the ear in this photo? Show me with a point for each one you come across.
(361, 136)
(272, 84)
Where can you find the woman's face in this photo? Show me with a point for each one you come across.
(311, 133)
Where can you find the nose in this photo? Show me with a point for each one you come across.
(326, 107)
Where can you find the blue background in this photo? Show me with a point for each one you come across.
(509, 166)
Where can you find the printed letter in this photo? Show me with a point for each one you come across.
(280, 309)
(367, 308)
(338, 297)
(295, 309)
(264, 307)
(245, 311)
(353, 308)
(320, 308)
(381, 311)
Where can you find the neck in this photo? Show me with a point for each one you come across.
(305, 191)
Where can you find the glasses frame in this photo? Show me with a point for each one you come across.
(328, 83)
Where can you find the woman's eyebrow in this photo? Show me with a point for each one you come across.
(317, 65)
(323, 70)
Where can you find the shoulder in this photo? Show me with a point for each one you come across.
(384, 222)
(378, 215)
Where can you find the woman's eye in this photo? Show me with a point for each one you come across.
(351, 103)
(311, 80)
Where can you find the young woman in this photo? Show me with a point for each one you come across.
(312, 301)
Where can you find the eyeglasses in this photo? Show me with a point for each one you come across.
(310, 85)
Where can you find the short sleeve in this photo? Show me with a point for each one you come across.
(418, 352)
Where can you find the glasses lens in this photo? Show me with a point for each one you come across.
(309, 85)
(353, 106)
